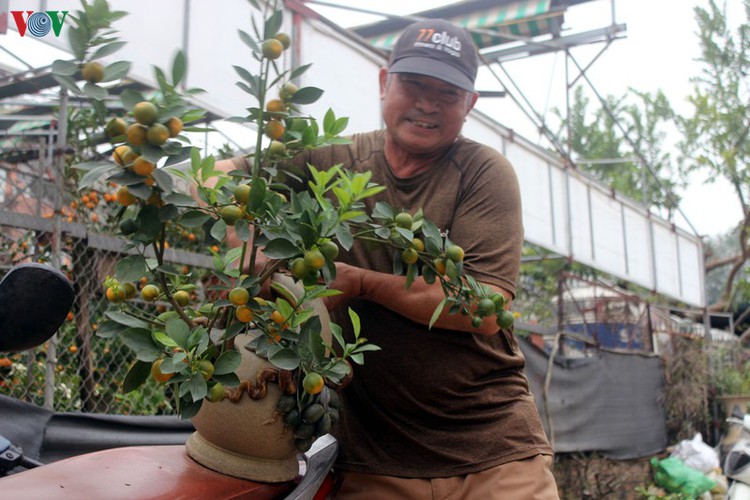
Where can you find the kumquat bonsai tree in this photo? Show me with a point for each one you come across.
(183, 329)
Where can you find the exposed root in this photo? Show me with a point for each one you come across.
(259, 388)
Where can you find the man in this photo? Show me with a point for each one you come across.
(443, 412)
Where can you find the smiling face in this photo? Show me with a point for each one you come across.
(423, 115)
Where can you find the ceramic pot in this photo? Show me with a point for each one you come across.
(247, 438)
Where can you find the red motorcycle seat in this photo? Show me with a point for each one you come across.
(137, 472)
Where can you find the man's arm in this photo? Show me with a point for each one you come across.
(417, 303)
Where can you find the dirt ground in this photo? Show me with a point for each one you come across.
(589, 476)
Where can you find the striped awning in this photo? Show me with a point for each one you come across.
(528, 18)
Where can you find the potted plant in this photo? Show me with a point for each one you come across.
(232, 356)
(732, 387)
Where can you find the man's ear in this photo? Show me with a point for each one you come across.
(472, 101)
(383, 78)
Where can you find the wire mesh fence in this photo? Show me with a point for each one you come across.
(44, 218)
(81, 368)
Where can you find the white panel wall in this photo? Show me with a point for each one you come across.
(667, 260)
(564, 211)
(579, 204)
(691, 257)
(346, 72)
(638, 247)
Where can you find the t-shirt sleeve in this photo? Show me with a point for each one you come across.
(488, 221)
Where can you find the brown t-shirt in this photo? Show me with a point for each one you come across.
(436, 403)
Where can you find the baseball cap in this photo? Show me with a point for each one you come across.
(436, 48)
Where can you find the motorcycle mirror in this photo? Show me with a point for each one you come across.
(34, 302)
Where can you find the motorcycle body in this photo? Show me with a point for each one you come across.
(737, 462)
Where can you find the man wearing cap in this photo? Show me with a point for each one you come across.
(444, 412)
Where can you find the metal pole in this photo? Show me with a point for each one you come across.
(58, 163)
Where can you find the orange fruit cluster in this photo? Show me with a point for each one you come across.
(138, 140)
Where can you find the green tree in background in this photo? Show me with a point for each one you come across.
(712, 139)
(716, 135)
(631, 129)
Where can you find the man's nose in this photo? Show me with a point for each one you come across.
(428, 101)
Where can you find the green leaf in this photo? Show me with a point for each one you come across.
(194, 218)
(64, 68)
(78, 41)
(356, 325)
(228, 380)
(181, 200)
(340, 126)
(161, 79)
(141, 342)
(94, 91)
(219, 230)
(257, 194)
(247, 76)
(131, 268)
(428, 274)
(189, 409)
(310, 335)
(105, 50)
(296, 72)
(198, 387)
(411, 271)
(130, 98)
(249, 41)
(179, 331)
(110, 329)
(309, 136)
(273, 23)
(228, 362)
(306, 95)
(383, 210)
(242, 228)
(340, 369)
(281, 248)
(96, 173)
(164, 339)
(125, 319)
(183, 155)
(344, 237)
(116, 71)
(328, 121)
(337, 334)
(286, 359)
(436, 313)
(150, 225)
(179, 68)
(136, 376)
(198, 340)
(367, 347)
(68, 83)
(168, 212)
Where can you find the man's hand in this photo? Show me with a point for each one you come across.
(349, 281)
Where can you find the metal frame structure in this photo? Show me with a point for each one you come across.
(515, 45)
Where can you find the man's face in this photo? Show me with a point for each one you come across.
(423, 115)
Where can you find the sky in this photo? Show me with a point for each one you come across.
(657, 53)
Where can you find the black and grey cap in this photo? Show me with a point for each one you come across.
(436, 48)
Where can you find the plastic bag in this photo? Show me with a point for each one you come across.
(674, 476)
(697, 454)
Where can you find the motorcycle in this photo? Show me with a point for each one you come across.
(156, 471)
(737, 461)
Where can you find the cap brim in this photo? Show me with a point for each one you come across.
(436, 69)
